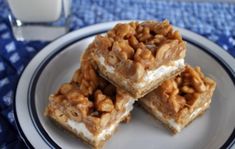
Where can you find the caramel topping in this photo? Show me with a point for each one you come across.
(89, 95)
(149, 44)
(184, 90)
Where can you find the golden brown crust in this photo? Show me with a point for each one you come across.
(177, 102)
(93, 144)
(164, 120)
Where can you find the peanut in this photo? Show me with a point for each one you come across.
(161, 51)
(133, 42)
(104, 120)
(74, 96)
(137, 71)
(105, 105)
(187, 89)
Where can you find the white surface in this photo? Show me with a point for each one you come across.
(150, 75)
(158, 73)
(80, 128)
(36, 10)
(153, 74)
(208, 131)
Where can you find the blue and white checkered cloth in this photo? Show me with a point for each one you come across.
(212, 20)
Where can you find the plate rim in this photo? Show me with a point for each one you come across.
(231, 139)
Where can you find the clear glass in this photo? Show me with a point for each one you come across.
(42, 20)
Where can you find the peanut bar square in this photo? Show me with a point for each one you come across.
(178, 101)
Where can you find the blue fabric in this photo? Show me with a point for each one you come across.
(212, 20)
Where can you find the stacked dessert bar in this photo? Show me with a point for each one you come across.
(89, 106)
(177, 101)
(132, 61)
(139, 57)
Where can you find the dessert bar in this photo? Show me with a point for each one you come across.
(89, 106)
(177, 102)
(138, 57)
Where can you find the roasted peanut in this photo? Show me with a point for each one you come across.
(198, 85)
(177, 35)
(198, 70)
(209, 81)
(137, 71)
(126, 48)
(163, 28)
(99, 96)
(133, 24)
(177, 102)
(200, 88)
(187, 89)
(102, 102)
(122, 49)
(124, 30)
(144, 57)
(162, 51)
(133, 42)
(84, 107)
(74, 96)
(145, 35)
(175, 92)
(105, 105)
(85, 88)
(158, 39)
(104, 120)
(167, 86)
(174, 104)
(146, 54)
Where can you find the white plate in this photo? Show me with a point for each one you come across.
(56, 63)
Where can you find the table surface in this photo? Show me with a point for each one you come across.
(213, 20)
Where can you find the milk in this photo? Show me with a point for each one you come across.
(36, 10)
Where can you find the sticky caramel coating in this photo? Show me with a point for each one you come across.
(88, 98)
(136, 47)
(184, 90)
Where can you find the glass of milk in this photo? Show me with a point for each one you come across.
(42, 20)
